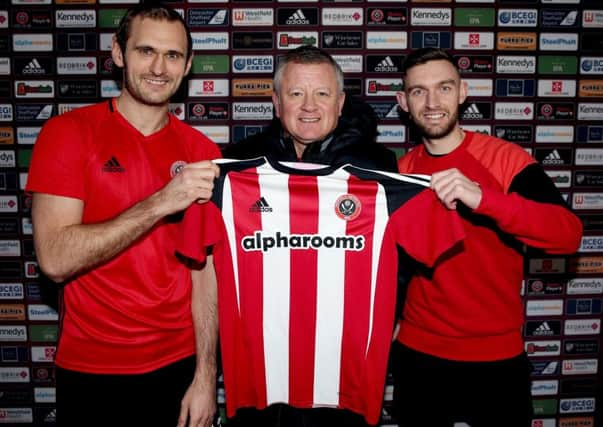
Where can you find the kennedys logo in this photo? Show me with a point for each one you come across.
(33, 66)
(201, 17)
(293, 39)
(591, 65)
(382, 87)
(385, 110)
(592, 18)
(515, 64)
(517, 17)
(431, 16)
(76, 65)
(342, 40)
(474, 64)
(7, 159)
(253, 17)
(586, 306)
(582, 327)
(13, 333)
(581, 346)
(553, 41)
(349, 63)
(555, 111)
(590, 285)
(252, 64)
(543, 328)
(579, 405)
(386, 40)
(514, 111)
(543, 348)
(210, 41)
(386, 16)
(420, 39)
(75, 18)
(35, 19)
(477, 111)
(342, 16)
(554, 18)
(545, 367)
(473, 41)
(34, 89)
(265, 242)
(77, 42)
(297, 16)
(208, 111)
(252, 110)
(384, 63)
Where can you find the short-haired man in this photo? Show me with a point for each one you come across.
(315, 121)
(461, 355)
(109, 181)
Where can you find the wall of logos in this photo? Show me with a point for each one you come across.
(535, 75)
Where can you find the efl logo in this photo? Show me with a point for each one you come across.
(553, 307)
(582, 327)
(32, 42)
(517, 17)
(75, 18)
(206, 87)
(386, 40)
(349, 63)
(591, 65)
(552, 134)
(252, 110)
(557, 88)
(210, 41)
(474, 41)
(218, 134)
(293, 39)
(592, 19)
(543, 348)
(581, 286)
(514, 111)
(557, 41)
(383, 87)
(479, 87)
(34, 89)
(76, 65)
(342, 16)
(253, 17)
(252, 64)
(515, 64)
(516, 41)
(431, 16)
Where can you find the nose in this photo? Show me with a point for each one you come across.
(158, 65)
(309, 103)
(432, 99)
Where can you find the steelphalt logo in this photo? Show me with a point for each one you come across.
(264, 242)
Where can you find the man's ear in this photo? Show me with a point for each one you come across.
(341, 101)
(463, 91)
(401, 98)
(277, 105)
(189, 63)
(116, 53)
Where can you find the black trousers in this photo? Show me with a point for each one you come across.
(279, 415)
(151, 399)
(434, 392)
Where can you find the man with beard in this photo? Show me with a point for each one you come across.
(109, 183)
(460, 356)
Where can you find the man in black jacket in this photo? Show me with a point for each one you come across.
(314, 121)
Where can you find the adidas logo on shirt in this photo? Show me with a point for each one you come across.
(298, 18)
(553, 158)
(112, 165)
(261, 205)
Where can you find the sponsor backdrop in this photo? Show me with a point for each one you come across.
(535, 75)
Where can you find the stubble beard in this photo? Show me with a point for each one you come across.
(139, 95)
(431, 132)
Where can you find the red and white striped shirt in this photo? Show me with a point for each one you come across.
(307, 268)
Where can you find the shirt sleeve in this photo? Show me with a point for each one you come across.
(59, 158)
(201, 227)
(425, 228)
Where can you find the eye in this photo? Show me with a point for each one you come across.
(416, 92)
(173, 56)
(296, 93)
(324, 93)
(446, 89)
(146, 51)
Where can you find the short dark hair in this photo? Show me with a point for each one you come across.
(422, 56)
(152, 10)
(306, 54)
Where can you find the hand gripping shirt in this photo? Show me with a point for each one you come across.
(306, 262)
